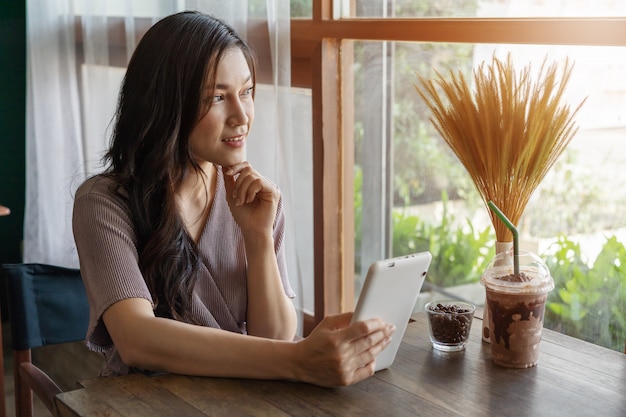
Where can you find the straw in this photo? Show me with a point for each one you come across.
(513, 230)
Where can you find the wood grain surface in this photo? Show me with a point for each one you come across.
(573, 378)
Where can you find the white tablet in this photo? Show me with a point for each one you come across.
(390, 292)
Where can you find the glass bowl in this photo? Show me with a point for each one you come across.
(449, 323)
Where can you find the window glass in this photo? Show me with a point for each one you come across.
(301, 8)
(412, 193)
(297, 8)
(485, 8)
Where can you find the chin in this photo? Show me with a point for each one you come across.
(235, 159)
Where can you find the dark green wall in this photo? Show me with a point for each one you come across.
(12, 131)
(12, 125)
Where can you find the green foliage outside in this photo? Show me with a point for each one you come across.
(588, 302)
(297, 8)
(301, 8)
(460, 254)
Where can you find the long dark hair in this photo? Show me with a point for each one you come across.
(158, 107)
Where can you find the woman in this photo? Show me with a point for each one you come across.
(181, 241)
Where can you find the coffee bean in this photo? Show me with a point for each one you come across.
(451, 325)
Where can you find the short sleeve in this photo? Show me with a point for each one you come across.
(106, 244)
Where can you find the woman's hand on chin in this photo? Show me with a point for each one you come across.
(252, 199)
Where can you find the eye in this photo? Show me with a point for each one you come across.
(248, 91)
(216, 99)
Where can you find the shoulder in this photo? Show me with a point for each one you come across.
(99, 195)
(96, 185)
(99, 188)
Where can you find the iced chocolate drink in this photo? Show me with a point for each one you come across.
(516, 304)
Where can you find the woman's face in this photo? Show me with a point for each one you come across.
(220, 135)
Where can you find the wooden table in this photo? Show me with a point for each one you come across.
(573, 378)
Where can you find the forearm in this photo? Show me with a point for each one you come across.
(270, 312)
(331, 355)
(172, 346)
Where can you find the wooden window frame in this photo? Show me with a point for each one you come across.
(317, 52)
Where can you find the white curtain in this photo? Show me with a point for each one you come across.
(71, 94)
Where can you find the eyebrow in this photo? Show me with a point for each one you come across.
(225, 86)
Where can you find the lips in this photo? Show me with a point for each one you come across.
(235, 142)
(234, 139)
(239, 136)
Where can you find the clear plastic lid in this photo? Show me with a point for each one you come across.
(499, 275)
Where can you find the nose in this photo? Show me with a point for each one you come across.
(238, 114)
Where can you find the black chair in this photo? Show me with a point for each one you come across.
(47, 305)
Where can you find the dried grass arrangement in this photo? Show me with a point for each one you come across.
(508, 132)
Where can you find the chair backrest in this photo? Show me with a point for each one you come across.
(47, 305)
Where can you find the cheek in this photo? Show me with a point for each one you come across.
(207, 116)
(202, 133)
(206, 125)
(250, 113)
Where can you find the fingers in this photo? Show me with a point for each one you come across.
(371, 344)
(370, 347)
(361, 362)
(361, 334)
(366, 328)
(248, 183)
(339, 353)
(246, 189)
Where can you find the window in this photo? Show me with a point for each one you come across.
(481, 8)
(301, 8)
(382, 166)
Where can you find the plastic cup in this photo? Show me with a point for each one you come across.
(516, 307)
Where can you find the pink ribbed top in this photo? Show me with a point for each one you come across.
(106, 243)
